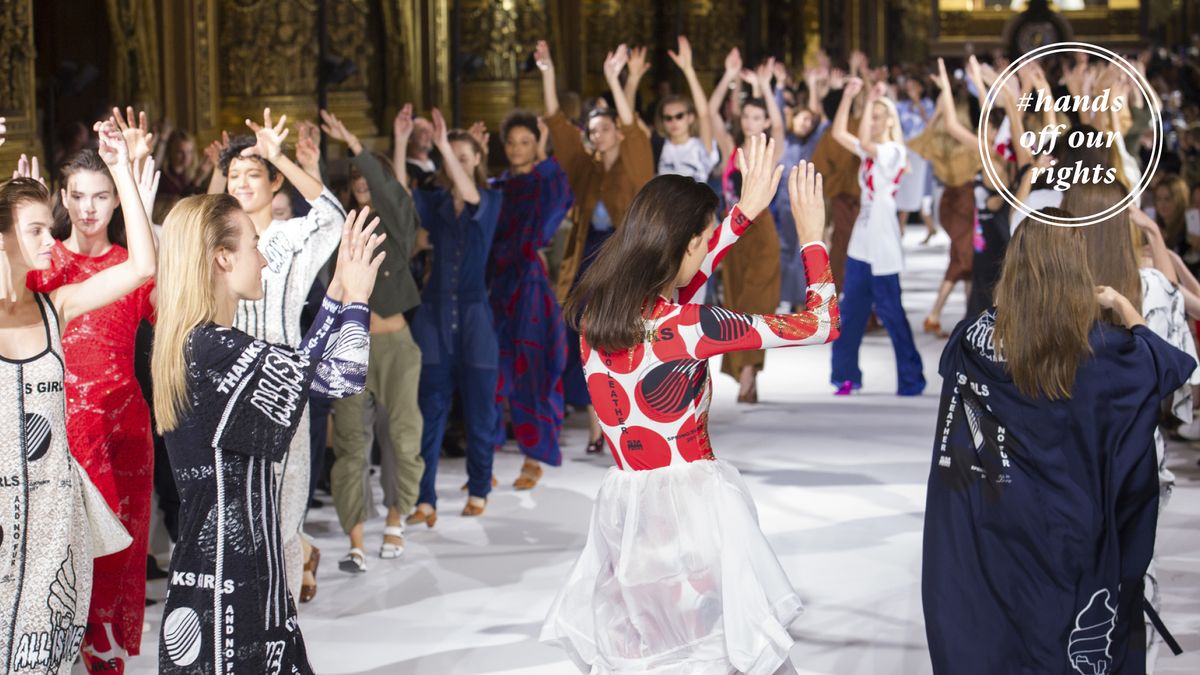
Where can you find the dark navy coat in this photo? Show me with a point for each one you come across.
(1040, 515)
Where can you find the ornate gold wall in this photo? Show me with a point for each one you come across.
(208, 64)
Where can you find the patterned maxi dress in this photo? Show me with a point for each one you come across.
(528, 319)
(108, 428)
(45, 551)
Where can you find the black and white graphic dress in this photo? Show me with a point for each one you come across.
(228, 609)
(45, 547)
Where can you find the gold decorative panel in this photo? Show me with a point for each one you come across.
(17, 78)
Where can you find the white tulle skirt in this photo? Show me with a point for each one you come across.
(676, 578)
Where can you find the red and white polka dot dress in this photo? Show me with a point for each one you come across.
(676, 576)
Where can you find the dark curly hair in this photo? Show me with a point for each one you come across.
(520, 118)
(236, 145)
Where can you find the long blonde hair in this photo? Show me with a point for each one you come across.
(1045, 307)
(194, 230)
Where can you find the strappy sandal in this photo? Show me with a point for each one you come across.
(355, 562)
(596, 447)
(388, 550)
(475, 506)
(309, 591)
(531, 473)
(423, 514)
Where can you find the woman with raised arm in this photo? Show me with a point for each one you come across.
(529, 326)
(295, 250)
(751, 273)
(604, 182)
(676, 575)
(875, 257)
(46, 585)
(453, 326)
(689, 148)
(1043, 498)
(108, 421)
(228, 406)
(393, 378)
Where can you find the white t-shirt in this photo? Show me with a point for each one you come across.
(1036, 201)
(876, 236)
(688, 159)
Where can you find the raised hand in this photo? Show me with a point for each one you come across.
(616, 61)
(780, 72)
(270, 136)
(837, 78)
(402, 125)
(638, 66)
(147, 182)
(764, 72)
(853, 86)
(541, 56)
(357, 264)
(479, 132)
(760, 174)
(683, 57)
(27, 167)
(212, 154)
(807, 193)
(733, 62)
(112, 148)
(441, 137)
(308, 148)
(334, 128)
(136, 131)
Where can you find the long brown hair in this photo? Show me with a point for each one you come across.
(639, 261)
(1112, 244)
(1045, 307)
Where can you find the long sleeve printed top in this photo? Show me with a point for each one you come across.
(295, 250)
(228, 609)
(653, 399)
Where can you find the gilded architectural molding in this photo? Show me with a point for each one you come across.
(17, 84)
(135, 75)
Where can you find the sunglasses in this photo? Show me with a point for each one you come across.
(672, 118)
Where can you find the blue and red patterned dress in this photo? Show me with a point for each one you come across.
(528, 319)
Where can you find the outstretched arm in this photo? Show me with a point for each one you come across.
(683, 59)
(119, 280)
(638, 67)
(840, 129)
(614, 63)
(733, 71)
(946, 101)
(458, 175)
(544, 63)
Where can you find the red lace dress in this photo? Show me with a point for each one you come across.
(676, 576)
(108, 431)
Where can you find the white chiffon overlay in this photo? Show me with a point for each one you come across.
(676, 578)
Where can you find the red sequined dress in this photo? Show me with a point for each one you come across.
(676, 576)
(108, 431)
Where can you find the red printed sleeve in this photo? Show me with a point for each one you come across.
(716, 330)
(725, 236)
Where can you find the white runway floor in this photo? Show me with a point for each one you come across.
(840, 488)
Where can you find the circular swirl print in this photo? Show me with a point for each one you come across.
(181, 636)
(666, 392)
